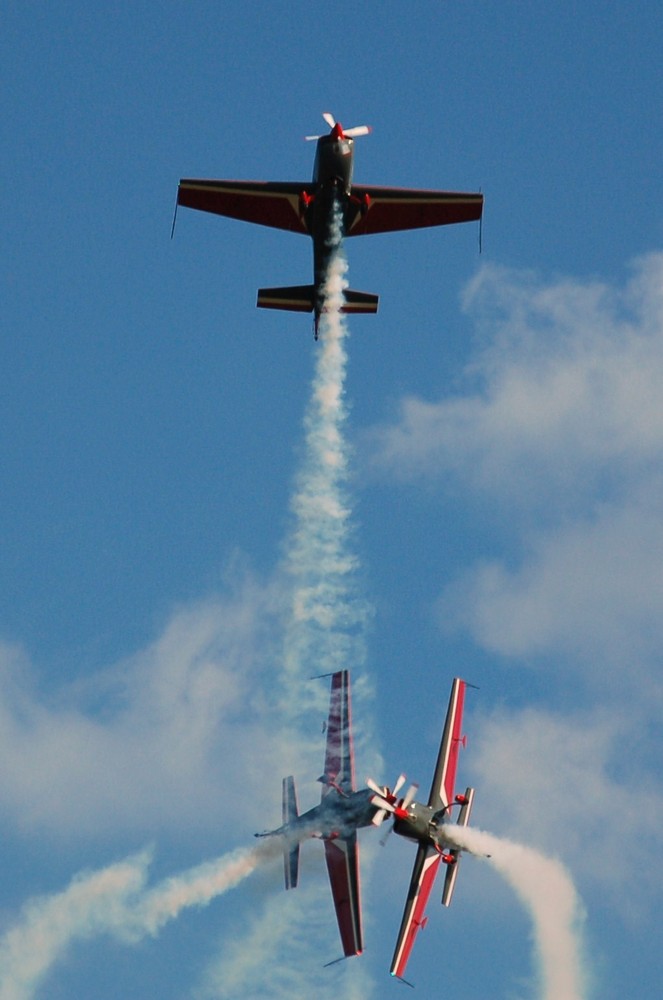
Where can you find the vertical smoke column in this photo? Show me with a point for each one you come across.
(323, 630)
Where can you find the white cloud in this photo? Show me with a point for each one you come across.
(560, 436)
(155, 755)
(283, 933)
(571, 786)
(565, 399)
(588, 594)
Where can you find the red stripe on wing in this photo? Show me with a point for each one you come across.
(423, 876)
(444, 779)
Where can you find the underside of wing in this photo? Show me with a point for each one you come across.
(339, 757)
(342, 857)
(266, 203)
(385, 210)
(423, 875)
(442, 789)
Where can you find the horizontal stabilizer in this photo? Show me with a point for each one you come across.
(296, 298)
(302, 298)
(291, 851)
(360, 302)
(452, 869)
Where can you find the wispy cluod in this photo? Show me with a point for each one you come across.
(546, 889)
(562, 402)
(295, 935)
(112, 901)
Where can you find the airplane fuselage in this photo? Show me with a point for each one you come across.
(338, 815)
(423, 823)
(334, 158)
(332, 180)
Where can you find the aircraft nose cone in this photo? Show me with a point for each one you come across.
(337, 131)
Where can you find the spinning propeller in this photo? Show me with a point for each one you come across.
(388, 801)
(342, 133)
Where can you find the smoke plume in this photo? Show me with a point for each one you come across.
(546, 889)
(112, 901)
(323, 632)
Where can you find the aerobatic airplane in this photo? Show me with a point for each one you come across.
(426, 825)
(310, 208)
(342, 811)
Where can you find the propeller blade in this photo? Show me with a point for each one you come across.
(374, 787)
(409, 796)
(377, 800)
(400, 781)
(352, 133)
(329, 118)
(312, 138)
(379, 817)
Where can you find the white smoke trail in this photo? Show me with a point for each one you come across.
(199, 886)
(323, 633)
(92, 903)
(112, 901)
(545, 887)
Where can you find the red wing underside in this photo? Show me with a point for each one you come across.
(342, 856)
(423, 875)
(392, 209)
(444, 779)
(266, 203)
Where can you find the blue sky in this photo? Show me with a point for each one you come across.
(506, 437)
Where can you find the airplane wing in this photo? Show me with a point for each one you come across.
(385, 210)
(342, 857)
(339, 773)
(342, 852)
(442, 789)
(426, 864)
(428, 856)
(266, 203)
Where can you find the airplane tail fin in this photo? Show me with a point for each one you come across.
(452, 868)
(291, 851)
(302, 298)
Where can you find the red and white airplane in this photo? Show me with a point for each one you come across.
(310, 208)
(426, 824)
(341, 812)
